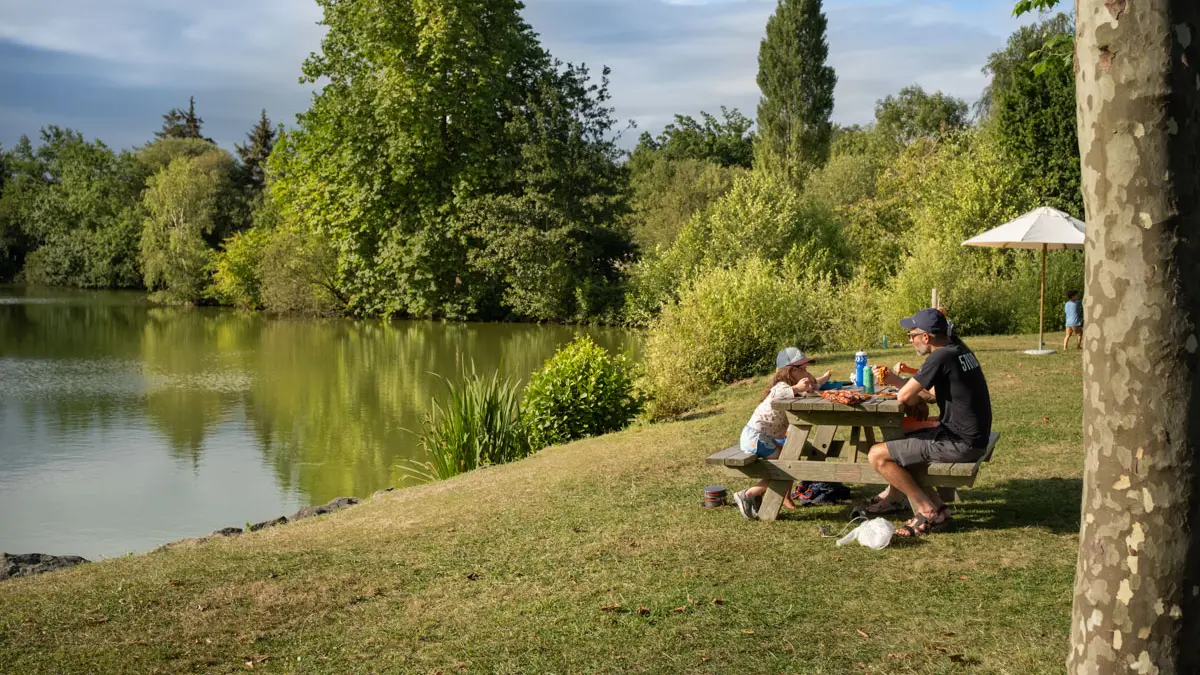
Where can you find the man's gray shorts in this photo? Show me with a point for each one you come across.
(932, 445)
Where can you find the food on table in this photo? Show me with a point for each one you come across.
(881, 372)
(845, 397)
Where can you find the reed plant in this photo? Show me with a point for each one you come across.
(479, 424)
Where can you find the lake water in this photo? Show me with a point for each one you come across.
(124, 425)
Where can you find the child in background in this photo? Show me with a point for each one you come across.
(1074, 312)
(765, 431)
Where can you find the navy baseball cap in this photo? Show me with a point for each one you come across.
(928, 320)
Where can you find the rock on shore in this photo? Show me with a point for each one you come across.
(13, 565)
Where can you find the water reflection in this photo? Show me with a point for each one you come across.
(123, 425)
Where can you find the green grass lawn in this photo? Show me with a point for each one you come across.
(597, 557)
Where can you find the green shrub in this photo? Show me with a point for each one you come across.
(667, 193)
(298, 273)
(480, 424)
(582, 390)
(1064, 271)
(760, 217)
(727, 324)
(969, 286)
(236, 279)
(852, 311)
(650, 282)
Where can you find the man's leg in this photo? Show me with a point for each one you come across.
(897, 477)
(1067, 339)
(909, 425)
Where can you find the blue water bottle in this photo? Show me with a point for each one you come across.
(860, 363)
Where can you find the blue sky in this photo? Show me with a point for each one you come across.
(111, 68)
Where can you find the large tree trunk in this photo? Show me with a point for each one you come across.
(1137, 584)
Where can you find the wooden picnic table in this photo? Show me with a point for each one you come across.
(811, 452)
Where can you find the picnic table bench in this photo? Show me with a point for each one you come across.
(812, 424)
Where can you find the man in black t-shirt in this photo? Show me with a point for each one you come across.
(951, 377)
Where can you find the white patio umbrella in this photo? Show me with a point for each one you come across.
(1042, 228)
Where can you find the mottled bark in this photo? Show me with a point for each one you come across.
(1137, 584)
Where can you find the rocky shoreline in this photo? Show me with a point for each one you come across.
(13, 565)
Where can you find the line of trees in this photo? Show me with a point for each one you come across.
(76, 213)
(450, 167)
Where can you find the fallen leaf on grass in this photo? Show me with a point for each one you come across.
(611, 608)
(473, 576)
(1045, 420)
(705, 659)
(900, 656)
(255, 660)
(718, 601)
(860, 632)
(964, 578)
(680, 610)
(643, 610)
(747, 632)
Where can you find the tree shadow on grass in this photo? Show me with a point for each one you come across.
(1050, 503)
(700, 414)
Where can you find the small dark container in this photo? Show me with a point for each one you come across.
(714, 496)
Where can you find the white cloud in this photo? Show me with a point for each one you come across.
(683, 57)
(147, 42)
(668, 56)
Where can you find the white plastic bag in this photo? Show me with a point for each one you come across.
(874, 534)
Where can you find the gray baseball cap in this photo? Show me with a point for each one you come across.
(792, 357)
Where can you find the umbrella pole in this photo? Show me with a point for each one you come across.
(1042, 305)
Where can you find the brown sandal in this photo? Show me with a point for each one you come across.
(921, 525)
(878, 506)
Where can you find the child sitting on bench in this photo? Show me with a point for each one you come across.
(764, 433)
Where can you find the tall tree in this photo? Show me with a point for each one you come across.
(413, 109)
(913, 114)
(797, 91)
(1034, 115)
(254, 153)
(426, 108)
(182, 124)
(1137, 583)
(75, 203)
(185, 212)
(1023, 47)
(12, 239)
